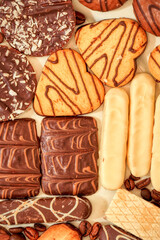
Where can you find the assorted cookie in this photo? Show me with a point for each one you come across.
(110, 48)
(44, 210)
(69, 143)
(37, 28)
(148, 15)
(66, 88)
(135, 215)
(154, 63)
(69, 153)
(17, 83)
(114, 138)
(61, 231)
(142, 98)
(102, 5)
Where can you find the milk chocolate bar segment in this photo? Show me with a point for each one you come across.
(69, 156)
(44, 210)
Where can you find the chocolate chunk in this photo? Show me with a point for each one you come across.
(69, 147)
(57, 209)
(148, 15)
(17, 83)
(20, 163)
(110, 232)
(37, 28)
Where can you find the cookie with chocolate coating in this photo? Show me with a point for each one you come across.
(37, 28)
(66, 88)
(154, 63)
(17, 83)
(102, 5)
(110, 48)
(148, 15)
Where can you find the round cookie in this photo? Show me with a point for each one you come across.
(17, 83)
(102, 5)
(37, 28)
(147, 13)
(154, 63)
(61, 231)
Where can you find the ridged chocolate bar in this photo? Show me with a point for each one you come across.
(19, 159)
(69, 147)
(44, 210)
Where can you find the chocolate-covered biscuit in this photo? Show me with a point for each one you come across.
(37, 27)
(69, 149)
(102, 5)
(110, 232)
(19, 159)
(44, 210)
(148, 15)
(17, 83)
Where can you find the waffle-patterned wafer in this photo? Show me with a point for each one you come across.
(135, 215)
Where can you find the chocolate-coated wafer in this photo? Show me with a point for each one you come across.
(69, 153)
(19, 159)
(44, 210)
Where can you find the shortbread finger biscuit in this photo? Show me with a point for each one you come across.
(155, 163)
(114, 138)
(142, 97)
(110, 48)
(154, 63)
(66, 88)
(134, 215)
(64, 231)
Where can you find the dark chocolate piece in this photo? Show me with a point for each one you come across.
(102, 5)
(37, 28)
(19, 159)
(17, 83)
(148, 15)
(110, 232)
(44, 210)
(69, 149)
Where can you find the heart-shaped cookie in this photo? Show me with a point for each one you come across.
(66, 88)
(110, 48)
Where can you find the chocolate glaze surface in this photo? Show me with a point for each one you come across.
(148, 15)
(17, 83)
(19, 159)
(103, 5)
(69, 155)
(37, 28)
(44, 210)
(110, 232)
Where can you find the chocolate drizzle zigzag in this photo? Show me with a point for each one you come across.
(69, 156)
(112, 52)
(66, 88)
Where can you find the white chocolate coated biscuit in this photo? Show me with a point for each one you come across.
(142, 98)
(155, 163)
(114, 138)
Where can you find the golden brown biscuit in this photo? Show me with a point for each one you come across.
(154, 63)
(66, 88)
(61, 232)
(110, 48)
